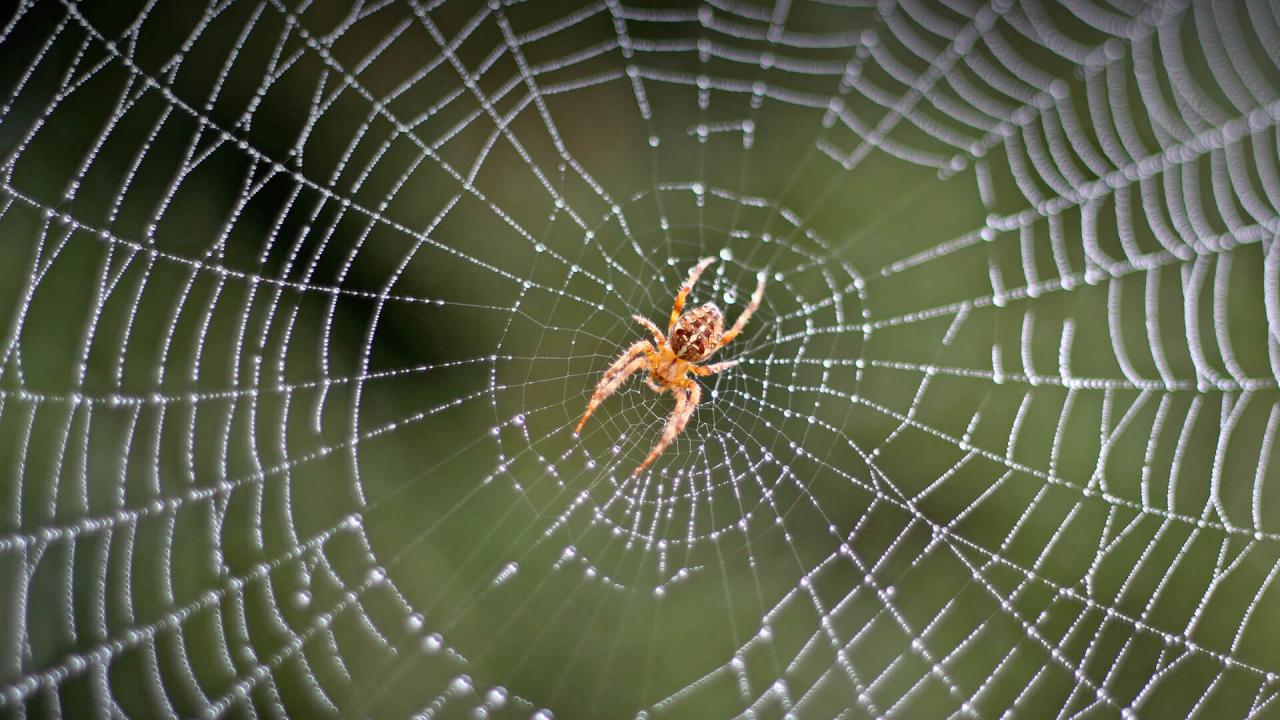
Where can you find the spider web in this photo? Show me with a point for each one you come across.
(305, 298)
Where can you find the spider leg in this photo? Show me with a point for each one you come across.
(694, 274)
(659, 341)
(706, 370)
(635, 358)
(741, 322)
(652, 380)
(687, 398)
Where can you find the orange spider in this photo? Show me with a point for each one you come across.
(694, 337)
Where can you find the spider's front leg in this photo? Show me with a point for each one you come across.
(637, 357)
(687, 397)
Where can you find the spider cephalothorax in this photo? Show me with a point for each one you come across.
(691, 338)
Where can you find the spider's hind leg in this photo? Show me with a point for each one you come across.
(659, 340)
(752, 306)
(694, 274)
(712, 369)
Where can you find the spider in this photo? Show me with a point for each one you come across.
(691, 338)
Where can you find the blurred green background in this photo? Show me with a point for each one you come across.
(304, 299)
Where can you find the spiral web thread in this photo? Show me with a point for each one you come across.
(999, 441)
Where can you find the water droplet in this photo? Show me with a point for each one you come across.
(432, 643)
(507, 572)
(726, 253)
(496, 697)
(461, 685)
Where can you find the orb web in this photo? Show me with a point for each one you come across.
(304, 300)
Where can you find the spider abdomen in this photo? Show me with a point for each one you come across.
(697, 333)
